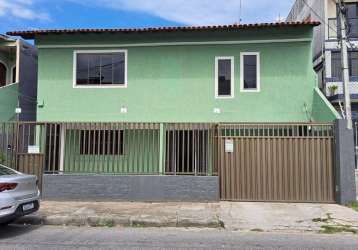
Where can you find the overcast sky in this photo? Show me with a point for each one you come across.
(44, 14)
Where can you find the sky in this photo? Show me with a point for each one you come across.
(57, 14)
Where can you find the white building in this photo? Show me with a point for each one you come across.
(326, 48)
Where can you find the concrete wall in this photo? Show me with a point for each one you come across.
(130, 188)
(344, 164)
(8, 102)
(357, 184)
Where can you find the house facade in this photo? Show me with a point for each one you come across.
(159, 108)
(205, 75)
(326, 50)
(18, 80)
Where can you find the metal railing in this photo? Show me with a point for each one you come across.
(190, 149)
(288, 130)
(134, 148)
(110, 148)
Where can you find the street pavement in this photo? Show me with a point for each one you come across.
(233, 216)
(60, 237)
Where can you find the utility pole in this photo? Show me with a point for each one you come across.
(345, 67)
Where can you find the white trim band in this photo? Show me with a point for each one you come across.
(173, 43)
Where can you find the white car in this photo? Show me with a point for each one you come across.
(19, 194)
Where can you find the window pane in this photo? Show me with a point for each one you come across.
(6, 171)
(2, 75)
(13, 74)
(250, 71)
(82, 69)
(336, 65)
(118, 68)
(224, 75)
(353, 64)
(106, 69)
(94, 69)
(100, 68)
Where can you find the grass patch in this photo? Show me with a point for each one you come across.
(354, 205)
(327, 229)
(105, 223)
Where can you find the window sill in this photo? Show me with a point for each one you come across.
(109, 86)
(224, 97)
(250, 90)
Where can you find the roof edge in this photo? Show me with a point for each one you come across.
(30, 34)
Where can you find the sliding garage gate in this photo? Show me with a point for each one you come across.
(276, 162)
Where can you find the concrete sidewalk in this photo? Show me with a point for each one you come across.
(248, 216)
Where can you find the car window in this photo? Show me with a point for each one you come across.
(6, 171)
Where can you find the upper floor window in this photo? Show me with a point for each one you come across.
(13, 74)
(100, 68)
(352, 20)
(224, 79)
(336, 64)
(250, 72)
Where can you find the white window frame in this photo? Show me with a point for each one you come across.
(258, 71)
(109, 86)
(232, 60)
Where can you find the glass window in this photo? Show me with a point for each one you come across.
(100, 68)
(336, 65)
(352, 19)
(353, 63)
(250, 71)
(6, 171)
(2, 75)
(13, 74)
(101, 142)
(224, 77)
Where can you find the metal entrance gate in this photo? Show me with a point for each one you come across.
(276, 162)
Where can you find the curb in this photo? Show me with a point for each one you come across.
(110, 221)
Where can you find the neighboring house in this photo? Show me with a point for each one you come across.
(155, 101)
(326, 52)
(18, 79)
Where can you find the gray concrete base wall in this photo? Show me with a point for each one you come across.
(357, 184)
(344, 164)
(130, 188)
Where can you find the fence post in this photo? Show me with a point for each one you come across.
(344, 164)
(161, 149)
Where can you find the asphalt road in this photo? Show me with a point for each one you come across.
(47, 237)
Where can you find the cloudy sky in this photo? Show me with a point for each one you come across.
(44, 14)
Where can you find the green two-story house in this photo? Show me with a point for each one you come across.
(97, 87)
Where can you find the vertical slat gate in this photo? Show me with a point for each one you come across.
(276, 162)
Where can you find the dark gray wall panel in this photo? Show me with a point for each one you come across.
(130, 188)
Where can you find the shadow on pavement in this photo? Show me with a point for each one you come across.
(14, 230)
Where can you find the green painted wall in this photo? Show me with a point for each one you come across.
(322, 109)
(8, 94)
(8, 102)
(141, 155)
(176, 83)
